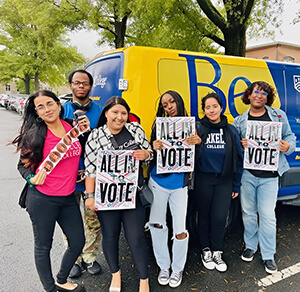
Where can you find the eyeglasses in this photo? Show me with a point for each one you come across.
(49, 105)
(263, 93)
(84, 84)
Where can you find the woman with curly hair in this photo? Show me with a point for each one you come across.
(50, 198)
(259, 187)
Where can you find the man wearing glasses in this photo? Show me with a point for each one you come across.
(81, 83)
(259, 187)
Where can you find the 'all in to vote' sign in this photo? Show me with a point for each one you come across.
(116, 180)
(177, 155)
(262, 152)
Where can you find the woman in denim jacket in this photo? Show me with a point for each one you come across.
(259, 187)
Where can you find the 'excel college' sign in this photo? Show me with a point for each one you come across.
(177, 155)
(116, 180)
(262, 152)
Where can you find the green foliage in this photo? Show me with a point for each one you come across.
(21, 86)
(33, 43)
(170, 24)
(264, 16)
(196, 24)
(110, 17)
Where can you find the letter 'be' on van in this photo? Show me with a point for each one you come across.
(141, 74)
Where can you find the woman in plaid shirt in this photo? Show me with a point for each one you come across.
(114, 131)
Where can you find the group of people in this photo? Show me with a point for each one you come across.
(218, 174)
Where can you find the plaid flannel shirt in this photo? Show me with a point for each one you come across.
(100, 139)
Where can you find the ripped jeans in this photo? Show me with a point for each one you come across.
(177, 200)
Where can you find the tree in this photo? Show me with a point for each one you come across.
(223, 22)
(170, 24)
(111, 17)
(33, 44)
(237, 19)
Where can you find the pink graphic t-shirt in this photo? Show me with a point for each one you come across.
(61, 181)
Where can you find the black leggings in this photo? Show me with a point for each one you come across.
(44, 212)
(213, 196)
(133, 223)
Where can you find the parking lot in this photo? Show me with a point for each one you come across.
(18, 273)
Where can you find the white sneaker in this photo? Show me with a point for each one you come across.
(220, 264)
(207, 259)
(163, 277)
(175, 279)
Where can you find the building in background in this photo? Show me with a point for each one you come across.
(11, 88)
(277, 51)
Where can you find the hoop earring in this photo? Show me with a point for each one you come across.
(38, 119)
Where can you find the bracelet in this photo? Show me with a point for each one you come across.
(88, 195)
(28, 180)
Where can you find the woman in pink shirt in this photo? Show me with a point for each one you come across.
(50, 197)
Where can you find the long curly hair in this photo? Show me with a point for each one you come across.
(261, 86)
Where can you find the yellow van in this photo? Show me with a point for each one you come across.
(141, 74)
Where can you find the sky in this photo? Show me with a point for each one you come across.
(85, 41)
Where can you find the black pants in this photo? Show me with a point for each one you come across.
(133, 221)
(44, 212)
(213, 197)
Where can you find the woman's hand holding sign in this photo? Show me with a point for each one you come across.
(141, 154)
(157, 145)
(193, 140)
(244, 142)
(39, 178)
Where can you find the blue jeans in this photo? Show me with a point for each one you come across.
(258, 201)
(177, 200)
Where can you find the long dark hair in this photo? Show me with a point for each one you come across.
(181, 111)
(109, 104)
(261, 86)
(31, 138)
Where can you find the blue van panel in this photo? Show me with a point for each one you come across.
(106, 77)
(284, 76)
(291, 190)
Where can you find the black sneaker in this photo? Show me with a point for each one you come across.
(75, 272)
(93, 268)
(248, 255)
(270, 266)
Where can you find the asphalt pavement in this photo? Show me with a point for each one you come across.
(18, 273)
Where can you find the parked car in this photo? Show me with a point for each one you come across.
(21, 104)
(3, 99)
(65, 97)
(14, 102)
(10, 100)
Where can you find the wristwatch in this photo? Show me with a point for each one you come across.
(88, 195)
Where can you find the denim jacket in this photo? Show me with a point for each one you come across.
(276, 115)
